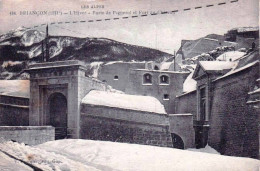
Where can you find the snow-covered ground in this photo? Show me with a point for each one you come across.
(78, 154)
(7, 163)
(207, 149)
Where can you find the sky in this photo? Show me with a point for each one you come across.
(163, 32)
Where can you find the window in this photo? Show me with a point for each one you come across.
(202, 104)
(156, 67)
(164, 79)
(147, 79)
(115, 77)
(166, 97)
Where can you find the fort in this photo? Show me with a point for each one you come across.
(138, 102)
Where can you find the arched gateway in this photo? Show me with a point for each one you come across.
(177, 141)
(56, 90)
(58, 113)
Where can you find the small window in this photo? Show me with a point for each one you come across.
(164, 79)
(166, 97)
(156, 67)
(147, 79)
(115, 77)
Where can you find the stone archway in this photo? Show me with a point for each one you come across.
(177, 141)
(58, 113)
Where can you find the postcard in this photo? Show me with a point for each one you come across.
(129, 85)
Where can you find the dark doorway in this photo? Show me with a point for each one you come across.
(58, 114)
(177, 141)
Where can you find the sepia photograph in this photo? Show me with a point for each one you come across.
(129, 85)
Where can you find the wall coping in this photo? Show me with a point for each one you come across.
(181, 114)
(57, 63)
(147, 112)
(12, 105)
(15, 96)
(186, 93)
(14, 128)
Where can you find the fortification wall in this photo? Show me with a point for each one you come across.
(123, 125)
(187, 103)
(233, 124)
(31, 135)
(14, 111)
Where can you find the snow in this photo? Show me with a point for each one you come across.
(166, 65)
(11, 63)
(210, 39)
(189, 84)
(19, 88)
(206, 149)
(132, 157)
(217, 65)
(79, 154)
(124, 101)
(230, 56)
(246, 29)
(7, 163)
(255, 91)
(32, 36)
(233, 71)
(95, 66)
(253, 101)
(115, 62)
(42, 159)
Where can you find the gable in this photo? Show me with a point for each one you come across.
(199, 72)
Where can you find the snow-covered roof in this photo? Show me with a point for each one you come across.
(122, 62)
(246, 29)
(17, 88)
(216, 65)
(232, 55)
(189, 84)
(237, 70)
(124, 101)
(166, 65)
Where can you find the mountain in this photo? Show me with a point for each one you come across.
(238, 38)
(20, 47)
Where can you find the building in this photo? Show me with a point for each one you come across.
(222, 106)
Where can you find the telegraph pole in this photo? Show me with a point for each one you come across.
(47, 44)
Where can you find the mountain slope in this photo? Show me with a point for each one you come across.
(22, 47)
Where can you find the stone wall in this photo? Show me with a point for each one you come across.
(14, 111)
(123, 125)
(233, 124)
(182, 125)
(156, 89)
(31, 135)
(187, 103)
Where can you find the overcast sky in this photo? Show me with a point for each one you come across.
(163, 32)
